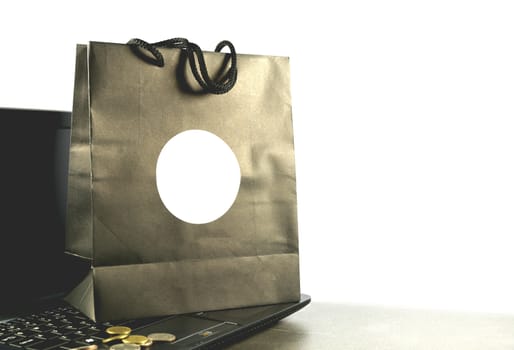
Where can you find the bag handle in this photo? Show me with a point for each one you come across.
(222, 84)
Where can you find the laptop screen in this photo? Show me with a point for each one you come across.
(34, 148)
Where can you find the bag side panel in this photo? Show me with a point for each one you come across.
(78, 220)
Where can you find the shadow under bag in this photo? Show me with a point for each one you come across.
(129, 101)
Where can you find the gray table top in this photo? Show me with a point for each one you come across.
(340, 326)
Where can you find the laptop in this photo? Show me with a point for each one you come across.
(37, 274)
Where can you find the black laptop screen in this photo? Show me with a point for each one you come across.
(34, 148)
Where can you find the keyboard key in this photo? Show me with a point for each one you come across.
(48, 344)
(66, 338)
(9, 339)
(69, 329)
(92, 330)
(87, 323)
(77, 334)
(54, 332)
(73, 311)
(89, 340)
(44, 336)
(26, 333)
(43, 320)
(73, 345)
(25, 342)
(80, 317)
(42, 328)
(61, 323)
(12, 329)
(27, 324)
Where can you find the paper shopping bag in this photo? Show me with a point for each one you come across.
(145, 119)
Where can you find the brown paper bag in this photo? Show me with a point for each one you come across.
(146, 261)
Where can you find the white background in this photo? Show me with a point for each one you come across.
(403, 117)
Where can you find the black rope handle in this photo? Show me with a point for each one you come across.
(223, 82)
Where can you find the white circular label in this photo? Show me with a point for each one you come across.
(198, 176)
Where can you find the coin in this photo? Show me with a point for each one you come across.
(125, 347)
(115, 337)
(87, 347)
(162, 337)
(147, 343)
(118, 330)
(135, 339)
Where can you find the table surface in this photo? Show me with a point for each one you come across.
(339, 326)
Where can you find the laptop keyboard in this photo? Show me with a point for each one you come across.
(60, 328)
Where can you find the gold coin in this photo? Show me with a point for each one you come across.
(87, 347)
(115, 337)
(118, 330)
(125, 347)
(135, 339)
(162, 337)
(148, 343)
